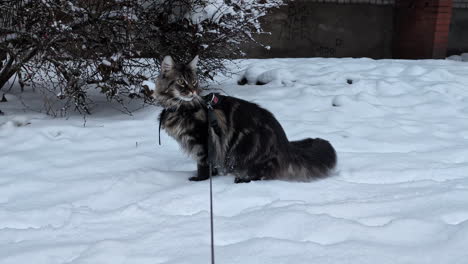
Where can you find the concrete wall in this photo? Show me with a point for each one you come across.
(458, 36)
(309, 29)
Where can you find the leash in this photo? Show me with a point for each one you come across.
(159, 134)
(212, 123)
(211, 217)
(163, 114)
(211, 100)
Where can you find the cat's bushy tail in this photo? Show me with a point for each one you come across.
(311, 158)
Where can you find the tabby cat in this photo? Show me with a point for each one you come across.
(249, 142)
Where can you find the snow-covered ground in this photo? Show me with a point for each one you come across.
(107, 193)
(461, 57)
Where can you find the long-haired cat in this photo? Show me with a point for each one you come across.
(249, 142)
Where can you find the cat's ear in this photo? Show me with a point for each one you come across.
(193, 63)
(167, 64)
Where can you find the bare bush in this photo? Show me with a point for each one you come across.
(66, 47)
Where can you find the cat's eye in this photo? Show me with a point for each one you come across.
(181, 82)
(194, 82)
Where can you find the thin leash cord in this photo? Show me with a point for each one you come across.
(211, 215)
(159, 134)
(211, 118)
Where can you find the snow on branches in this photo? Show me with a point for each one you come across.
(66, 47)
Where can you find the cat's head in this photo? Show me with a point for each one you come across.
(177, 84)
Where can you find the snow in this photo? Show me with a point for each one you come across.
(107, 63)
(278, 75)
(214, 11)
(101, 190)
(461, 57)
(149, 85)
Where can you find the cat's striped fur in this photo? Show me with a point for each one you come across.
(250, 142)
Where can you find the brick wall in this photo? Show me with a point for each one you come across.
(422, 28)
(401, 29)
(442, 27)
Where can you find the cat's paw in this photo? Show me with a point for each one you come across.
(241, 180)
(198, 178)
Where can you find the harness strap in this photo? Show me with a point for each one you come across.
(211, 101)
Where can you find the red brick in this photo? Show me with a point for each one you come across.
(440, 36)
(445, 10)
(445, 6)
(440, 42)
(443, 22)
(442, 28)
(424, 28)
(444, 16)
(445, 3)
(441, 49)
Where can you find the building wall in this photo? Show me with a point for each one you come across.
(306, 28)
(422, 28)
(458, 36)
